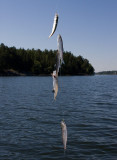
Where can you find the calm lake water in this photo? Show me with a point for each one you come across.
(30, 118)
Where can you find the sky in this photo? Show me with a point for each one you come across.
(88, 27)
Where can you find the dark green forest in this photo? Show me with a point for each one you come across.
(37, 62)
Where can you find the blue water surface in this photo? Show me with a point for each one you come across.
(30, 118)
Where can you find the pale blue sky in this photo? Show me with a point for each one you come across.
(88, 27)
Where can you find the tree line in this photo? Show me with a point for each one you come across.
(38, 62)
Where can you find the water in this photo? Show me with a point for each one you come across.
(30, 118)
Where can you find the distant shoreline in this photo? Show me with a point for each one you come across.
(11, 72)
(107, 73)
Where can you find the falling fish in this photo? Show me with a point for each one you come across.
(55, 83)
(64, 133)
(60, 48)
(57, 61)
(54, 24)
